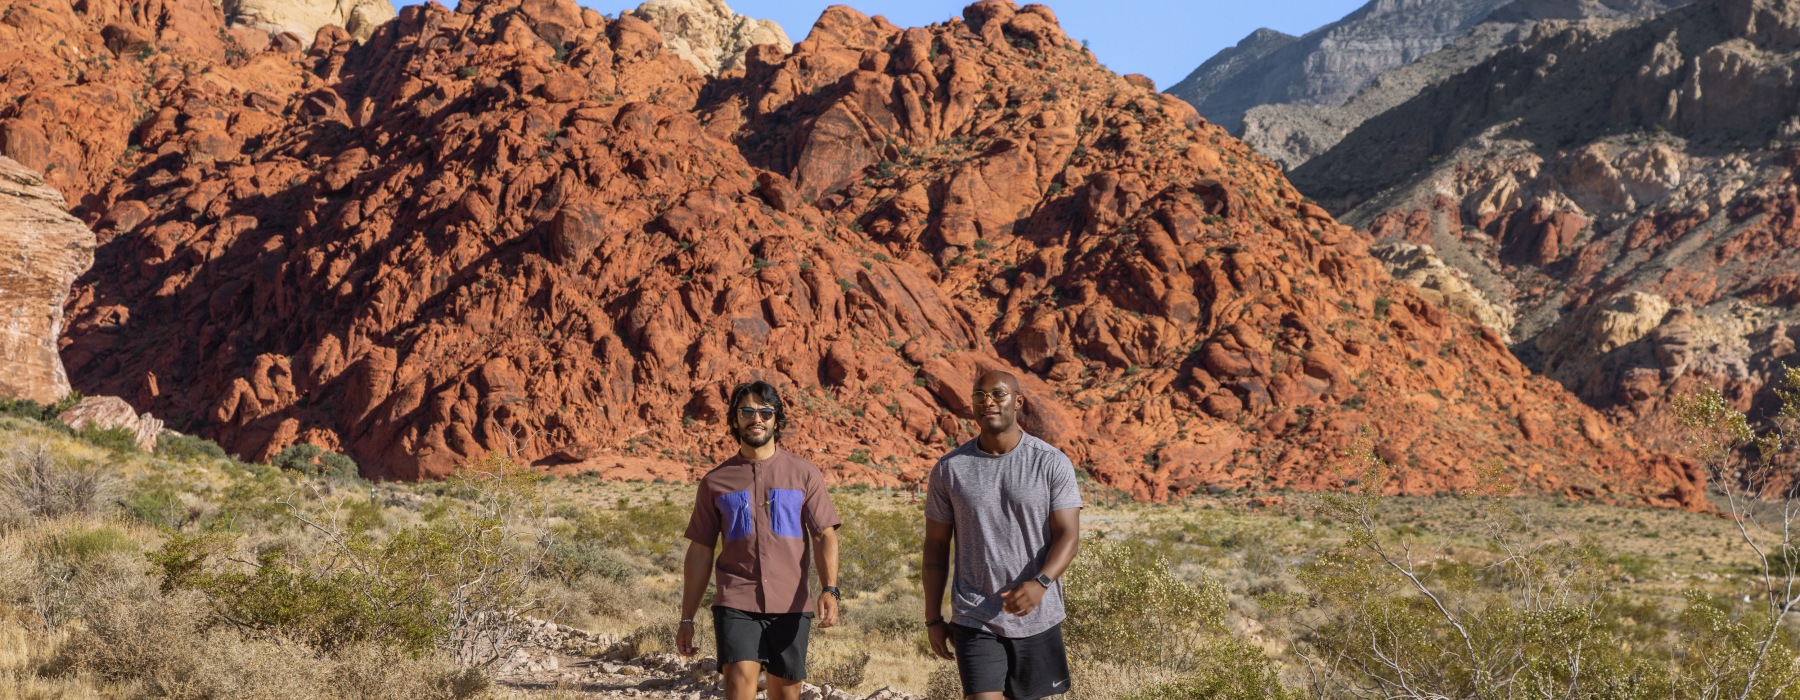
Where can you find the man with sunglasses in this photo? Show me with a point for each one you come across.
(771, 507)
(1010, 502)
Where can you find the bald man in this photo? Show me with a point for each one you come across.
(1010, 502)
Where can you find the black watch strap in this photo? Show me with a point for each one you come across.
(833, 590)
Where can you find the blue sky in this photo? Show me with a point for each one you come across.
(1164, 39)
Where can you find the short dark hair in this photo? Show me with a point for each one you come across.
(764, 392)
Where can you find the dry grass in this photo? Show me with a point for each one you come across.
(81, 616)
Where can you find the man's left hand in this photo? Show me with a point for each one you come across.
(828, 610)
(1023, 598)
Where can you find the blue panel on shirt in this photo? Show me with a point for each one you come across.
(784, 512)
(735, 513)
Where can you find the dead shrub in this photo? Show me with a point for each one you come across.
(34, 484)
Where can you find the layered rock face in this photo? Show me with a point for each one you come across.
(46, 249)
(519, 226)
(1330, 63)
(708, 35)
(304, 17)
(1629, 188)
(1376, 58)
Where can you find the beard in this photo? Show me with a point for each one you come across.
(746, 438)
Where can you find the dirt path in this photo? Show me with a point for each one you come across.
(565, 662)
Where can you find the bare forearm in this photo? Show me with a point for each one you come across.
(696, 571)
(1065, 540)
(935, 570)
(825, 556)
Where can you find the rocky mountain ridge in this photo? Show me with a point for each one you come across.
(519, 226)
(1329, 64)
(1629, 188)
(1372, 60)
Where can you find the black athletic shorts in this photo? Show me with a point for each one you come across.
(1025, 668)
(777, 640)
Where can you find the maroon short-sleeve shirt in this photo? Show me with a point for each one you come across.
(765, 511)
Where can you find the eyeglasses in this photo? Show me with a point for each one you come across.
(749, 413)
(996, 396)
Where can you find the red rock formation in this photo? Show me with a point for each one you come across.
(518, 226)
(46, 249)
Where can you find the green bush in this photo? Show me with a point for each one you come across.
(80, 545)
(652, 530)
(879, 547)
(338, 466)
(157, 505)
(187, 448)
(1226, 669)
(299, 457)
(311, 460)
(26, 408)
(120, 440)
(571, 560)
(456, 583)
(322, 608)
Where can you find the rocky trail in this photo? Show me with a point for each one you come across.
(574, 663)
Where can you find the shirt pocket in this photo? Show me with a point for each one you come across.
(734, 512)
(784, 512)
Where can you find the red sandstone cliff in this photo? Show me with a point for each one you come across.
(519, 226)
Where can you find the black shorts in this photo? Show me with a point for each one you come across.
(1024, 668)
(777, 640)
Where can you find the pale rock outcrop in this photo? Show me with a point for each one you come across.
(47, 249)
(708, 35)
(111, 412)
(304, 17)
(1444, 285)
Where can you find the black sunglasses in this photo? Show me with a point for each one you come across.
(748, 412)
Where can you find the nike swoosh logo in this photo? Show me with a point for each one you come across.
(1058, 684)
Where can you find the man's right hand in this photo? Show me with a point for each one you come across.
(684, 639)
(940, 640)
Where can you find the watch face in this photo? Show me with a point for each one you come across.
(1043, 580)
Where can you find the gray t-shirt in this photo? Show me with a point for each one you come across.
(1000, 506)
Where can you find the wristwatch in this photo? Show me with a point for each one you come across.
(1043, 580)
(833, 590)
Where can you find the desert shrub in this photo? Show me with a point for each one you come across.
(36, 484)
(945, 684)
(32, 410)
(299, 457)
(119, 440)
(1226, 669)
(1132, 611)
(1133, 608)
(878, 547)
(894, 617)
(569, 560)
(156, 505)
(651, 530)
(187, 448)
(168, 646)
(338, 466)
(320, 607)
(78, 545)
(1531, 614)
(311, 460)
(457, 583)
(847, 672)
(656, 636)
